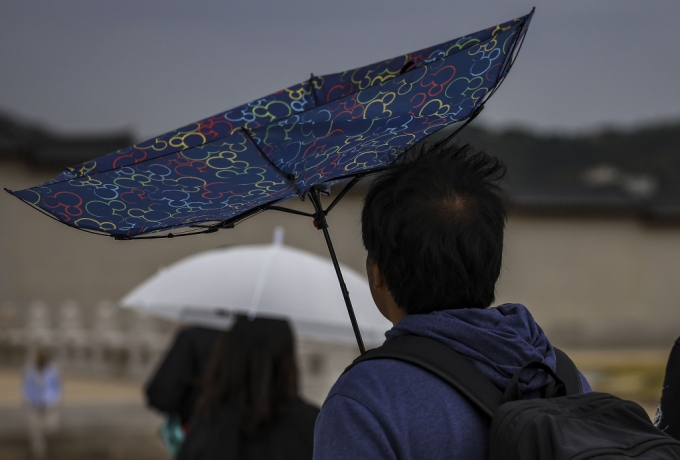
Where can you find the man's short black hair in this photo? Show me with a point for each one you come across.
(434, 224)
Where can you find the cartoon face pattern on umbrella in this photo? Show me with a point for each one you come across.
(366, 130)
(212, 182)
(311, 133)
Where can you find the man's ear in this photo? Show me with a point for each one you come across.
(381, 294)
(375, 277)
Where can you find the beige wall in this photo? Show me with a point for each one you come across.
(590, 280)
(43, 259)
(587, 280)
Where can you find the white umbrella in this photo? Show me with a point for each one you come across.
(268, 280)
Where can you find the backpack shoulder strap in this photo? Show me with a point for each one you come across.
(443, 362)
(567, 371)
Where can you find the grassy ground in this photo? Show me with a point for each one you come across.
(630, 374)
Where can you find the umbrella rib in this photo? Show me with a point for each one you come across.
(290, 211)
(289, 177)
(86, 230)
(506, 68)
(228, 223)
(311, 89)
(474, 114)
(343, 192)
(510, 59)
(117, 237)
(155, 237)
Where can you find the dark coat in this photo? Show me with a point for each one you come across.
(289, 438)
(668, 416)
(176, 385)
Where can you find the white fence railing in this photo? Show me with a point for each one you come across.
(102, 339)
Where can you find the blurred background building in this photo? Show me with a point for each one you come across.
(593, 244)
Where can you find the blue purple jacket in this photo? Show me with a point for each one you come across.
(388, 409)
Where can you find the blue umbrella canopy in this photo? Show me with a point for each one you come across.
(217, 171)
(296, 142)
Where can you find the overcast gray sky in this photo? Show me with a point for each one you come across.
(153, 65)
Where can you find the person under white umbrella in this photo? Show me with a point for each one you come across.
(209, 289)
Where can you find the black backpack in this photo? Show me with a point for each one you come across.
(566, 424)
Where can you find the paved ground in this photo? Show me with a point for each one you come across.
(105, 419)
(635, 374)
(101, 419)
(88, 433)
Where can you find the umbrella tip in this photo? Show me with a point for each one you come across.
(279, 232)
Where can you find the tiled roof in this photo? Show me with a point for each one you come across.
(595, 201)
(616, 196)
(44, 149)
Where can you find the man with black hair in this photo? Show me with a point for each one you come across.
(433, 227)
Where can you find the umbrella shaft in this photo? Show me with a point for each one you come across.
(320, 222)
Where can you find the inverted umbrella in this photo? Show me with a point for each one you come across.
(216, 172)
(270, 280)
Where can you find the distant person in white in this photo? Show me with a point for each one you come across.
(42, 393)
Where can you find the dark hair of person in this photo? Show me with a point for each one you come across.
(253, 370)
(434, 224)
(42, 359)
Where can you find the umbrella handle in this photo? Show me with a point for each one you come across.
(321, 224)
